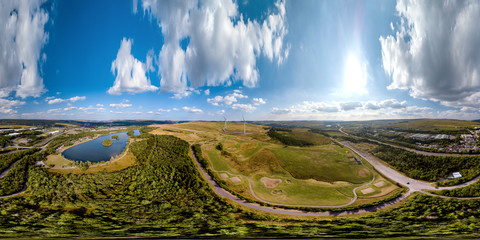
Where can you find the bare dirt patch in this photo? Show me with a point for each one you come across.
(363, 172)
(368, 190)
(270, 182)
(223, 175)
(235, 179)
(379, 184)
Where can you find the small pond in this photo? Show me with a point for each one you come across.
(94, 151)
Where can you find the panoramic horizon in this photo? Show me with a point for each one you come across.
(268, 60)
(212, 119)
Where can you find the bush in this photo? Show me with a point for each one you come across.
(107, 143)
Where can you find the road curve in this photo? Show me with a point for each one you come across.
(21, 191)
(412, 184)
(8, 169)
(224, 193)
(299, 205)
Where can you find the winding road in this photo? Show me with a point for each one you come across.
(299, 205)
(413, 185)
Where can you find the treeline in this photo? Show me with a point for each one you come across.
(472, 190)
(4, 140)
(146, 200)
(288, 140)
(428, 168)
(162, 195)
(66, 140)
(8, 159)
(324, 132)
(15, 179)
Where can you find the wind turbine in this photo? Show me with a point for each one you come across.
(243, 125)
(225, 127)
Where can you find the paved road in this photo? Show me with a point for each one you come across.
(21, 191)
(413, 184)
(300, 205)
(8, 169)
(415, 150)
(224, 193)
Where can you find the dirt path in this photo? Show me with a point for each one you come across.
(412, 185)
(224, 193)
(298, 205)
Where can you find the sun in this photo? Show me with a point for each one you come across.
(355, 79)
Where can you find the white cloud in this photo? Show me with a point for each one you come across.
(22, 38)
(77, 98)
(434, 53)
(244, 107)
(7, 106)
(56, 100)
(69, 108)
(185, 93)
(60, 100)
(388, 103)
(222, 44)
(130, 72)
(258, 101)
(99, 105)
(309, 109)
(120, 105)
(206, 92)
(228, 99)
(192, 110)
(280, 110)
(347, 106)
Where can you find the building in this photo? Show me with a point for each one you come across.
(456, 175)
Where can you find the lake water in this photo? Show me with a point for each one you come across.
(94, 151)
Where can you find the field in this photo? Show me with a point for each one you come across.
(436, 124)
(322, 175)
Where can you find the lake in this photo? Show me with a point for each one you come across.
(94, 151)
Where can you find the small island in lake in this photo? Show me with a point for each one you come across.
(116, 137)
(130, 133)
(107, 142)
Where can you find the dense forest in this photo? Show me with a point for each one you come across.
(4, 140)
(164, 196)
(15, 179)
(287, 140)
(7, 159)
(428, 168)
(472, 190)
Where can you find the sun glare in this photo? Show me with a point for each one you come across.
(355, 78)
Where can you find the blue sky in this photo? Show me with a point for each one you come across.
(266, 60)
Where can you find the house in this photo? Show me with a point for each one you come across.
(456, 175)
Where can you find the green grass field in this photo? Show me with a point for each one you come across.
(328, 163)
(436, 124)
(321, 175)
